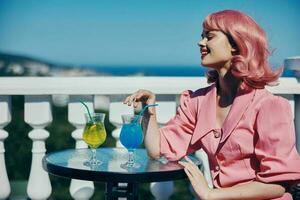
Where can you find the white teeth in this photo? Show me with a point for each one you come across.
(204, 52)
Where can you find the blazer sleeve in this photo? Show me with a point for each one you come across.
(275, 147)
(175, 136)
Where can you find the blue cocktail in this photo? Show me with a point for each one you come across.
(131, 137)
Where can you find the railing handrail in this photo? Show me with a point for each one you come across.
(96, 85)
(112, 85)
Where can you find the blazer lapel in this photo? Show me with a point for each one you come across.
(206, 116)
(238, 108)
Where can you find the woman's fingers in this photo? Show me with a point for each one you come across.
(186, 168)
(194, 170)
(190, 173)
(126, 100)
(140, 94)
(143, 96)
(196, 178)
(129, 100)
(193, 165)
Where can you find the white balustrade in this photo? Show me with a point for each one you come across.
(79, 189)
(202, 155)
(162, 190)
(38, 115)
(5, 118)
(165, 111)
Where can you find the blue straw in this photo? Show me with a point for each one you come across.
(140, 114)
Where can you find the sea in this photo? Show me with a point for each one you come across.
(160, 71)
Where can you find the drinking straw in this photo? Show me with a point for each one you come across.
(140, 114)
(87, 110)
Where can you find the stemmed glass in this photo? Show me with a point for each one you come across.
(94, 134)
(131, 137)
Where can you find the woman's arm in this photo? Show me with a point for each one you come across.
(150, 127)
(254, 190)
(152, 139)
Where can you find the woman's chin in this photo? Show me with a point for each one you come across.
(205, 64)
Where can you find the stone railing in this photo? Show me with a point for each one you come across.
(107, 92)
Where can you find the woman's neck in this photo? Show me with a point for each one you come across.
(227, 86)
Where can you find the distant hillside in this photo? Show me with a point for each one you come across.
(18, 65)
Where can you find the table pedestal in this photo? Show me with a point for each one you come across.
(114, 190)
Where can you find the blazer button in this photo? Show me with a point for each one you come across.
(217, 134)
(217, 168)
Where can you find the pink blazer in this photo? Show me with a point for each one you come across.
(256, 142)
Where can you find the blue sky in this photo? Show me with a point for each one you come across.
(133, 32)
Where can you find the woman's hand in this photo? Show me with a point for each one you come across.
(143, 96)
(251, 190)
(196, 178)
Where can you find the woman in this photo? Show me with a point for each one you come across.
(247, 132)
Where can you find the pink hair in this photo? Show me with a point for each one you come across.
(251, 62)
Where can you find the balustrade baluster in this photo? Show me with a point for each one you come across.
(80, 189)
(38, 115)
(162, 190)
(165, 111)
(5, 118)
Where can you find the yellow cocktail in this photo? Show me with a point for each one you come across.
(94, 134)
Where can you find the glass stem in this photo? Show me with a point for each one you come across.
(131, 157)
(94, 155)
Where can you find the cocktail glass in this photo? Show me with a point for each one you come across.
(131, 137)
(94, 135)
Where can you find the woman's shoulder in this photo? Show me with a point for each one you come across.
(199, 92)
(266, 99)
(194, 97)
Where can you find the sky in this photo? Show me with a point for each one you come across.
(133, 32)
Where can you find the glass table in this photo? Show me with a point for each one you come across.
(72, 163)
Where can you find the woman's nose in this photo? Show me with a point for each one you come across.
(202, 42)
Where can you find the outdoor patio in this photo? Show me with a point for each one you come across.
(101, 93)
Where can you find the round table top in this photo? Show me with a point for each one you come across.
(72, 163)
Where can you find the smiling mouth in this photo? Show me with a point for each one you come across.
(204, 52)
